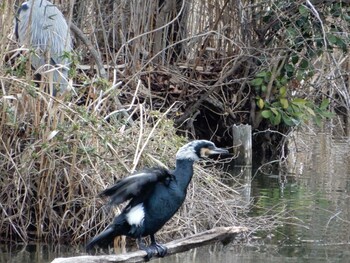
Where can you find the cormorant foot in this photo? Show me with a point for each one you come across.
(153, 249)
(150, 253)
(160, 249)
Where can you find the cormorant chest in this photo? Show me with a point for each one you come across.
(161, 205)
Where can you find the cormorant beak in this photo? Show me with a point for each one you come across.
(206, 152)
(217, 151)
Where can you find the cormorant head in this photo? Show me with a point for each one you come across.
(198, 149)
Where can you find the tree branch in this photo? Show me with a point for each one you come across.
(79, 34)
(223, 234)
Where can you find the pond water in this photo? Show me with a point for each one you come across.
(313, 191)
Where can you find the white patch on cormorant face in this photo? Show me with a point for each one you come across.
(188, 150)
(204, 152)
(136, 215)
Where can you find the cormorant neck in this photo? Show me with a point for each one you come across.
(183, 172)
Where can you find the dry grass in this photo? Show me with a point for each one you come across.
(57, 156)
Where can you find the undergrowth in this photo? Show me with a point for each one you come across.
(56, 156)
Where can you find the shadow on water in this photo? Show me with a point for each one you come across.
(313, 190)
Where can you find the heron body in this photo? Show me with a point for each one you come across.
(155, 196)
(40, 26)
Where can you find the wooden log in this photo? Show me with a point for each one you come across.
(223, 234)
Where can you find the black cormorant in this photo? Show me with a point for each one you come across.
(155, 196)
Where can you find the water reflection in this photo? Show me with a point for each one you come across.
(35, 253)
(316, 197)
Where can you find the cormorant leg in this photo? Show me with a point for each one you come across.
(161, 250)
(149, 250)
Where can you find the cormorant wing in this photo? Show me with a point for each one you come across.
(134, 185)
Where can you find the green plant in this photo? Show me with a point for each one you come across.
(283, 108)
(303, 33)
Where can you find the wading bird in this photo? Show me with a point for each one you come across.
(155, 195)
(41, 27)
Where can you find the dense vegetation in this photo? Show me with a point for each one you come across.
(197, 66)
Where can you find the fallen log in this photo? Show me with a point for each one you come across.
(223, 234)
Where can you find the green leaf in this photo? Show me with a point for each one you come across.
(257, 81)
(295, 59)
(332, 39)
(303, 10)
(266, 114)
(340, 43)
(260, 103)
(274, 110)
(299, 102)
(346, 17)
(283, 91)
(284, 80)
(318, 121)
(304, 64)
(263, 88)
(261, 74)
(300, 75)
(287, 120)
(311, 111)
(284, 103)
(324, 104)
(292, 32)
(327, 114)
(299, 115)
(277, 119)
(289, 67)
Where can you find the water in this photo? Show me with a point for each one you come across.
(314, 192)
(318, 195)
(35, 253)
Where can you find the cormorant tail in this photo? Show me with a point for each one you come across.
(104, 239)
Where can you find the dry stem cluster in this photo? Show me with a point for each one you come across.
(57, 156)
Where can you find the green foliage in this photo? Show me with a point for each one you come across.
(291, 112)
(281, 107)
(303, 35)
(74, 61)
(305, 31)
(102, 84)
(20, 69)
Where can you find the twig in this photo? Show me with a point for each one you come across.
(136, 160)
(212, 89)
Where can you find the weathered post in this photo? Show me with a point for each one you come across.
(242, 144)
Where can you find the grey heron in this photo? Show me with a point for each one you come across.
(41, 27)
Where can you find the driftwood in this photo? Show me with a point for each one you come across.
(224, 234)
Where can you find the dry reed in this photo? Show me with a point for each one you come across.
(57, 156)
